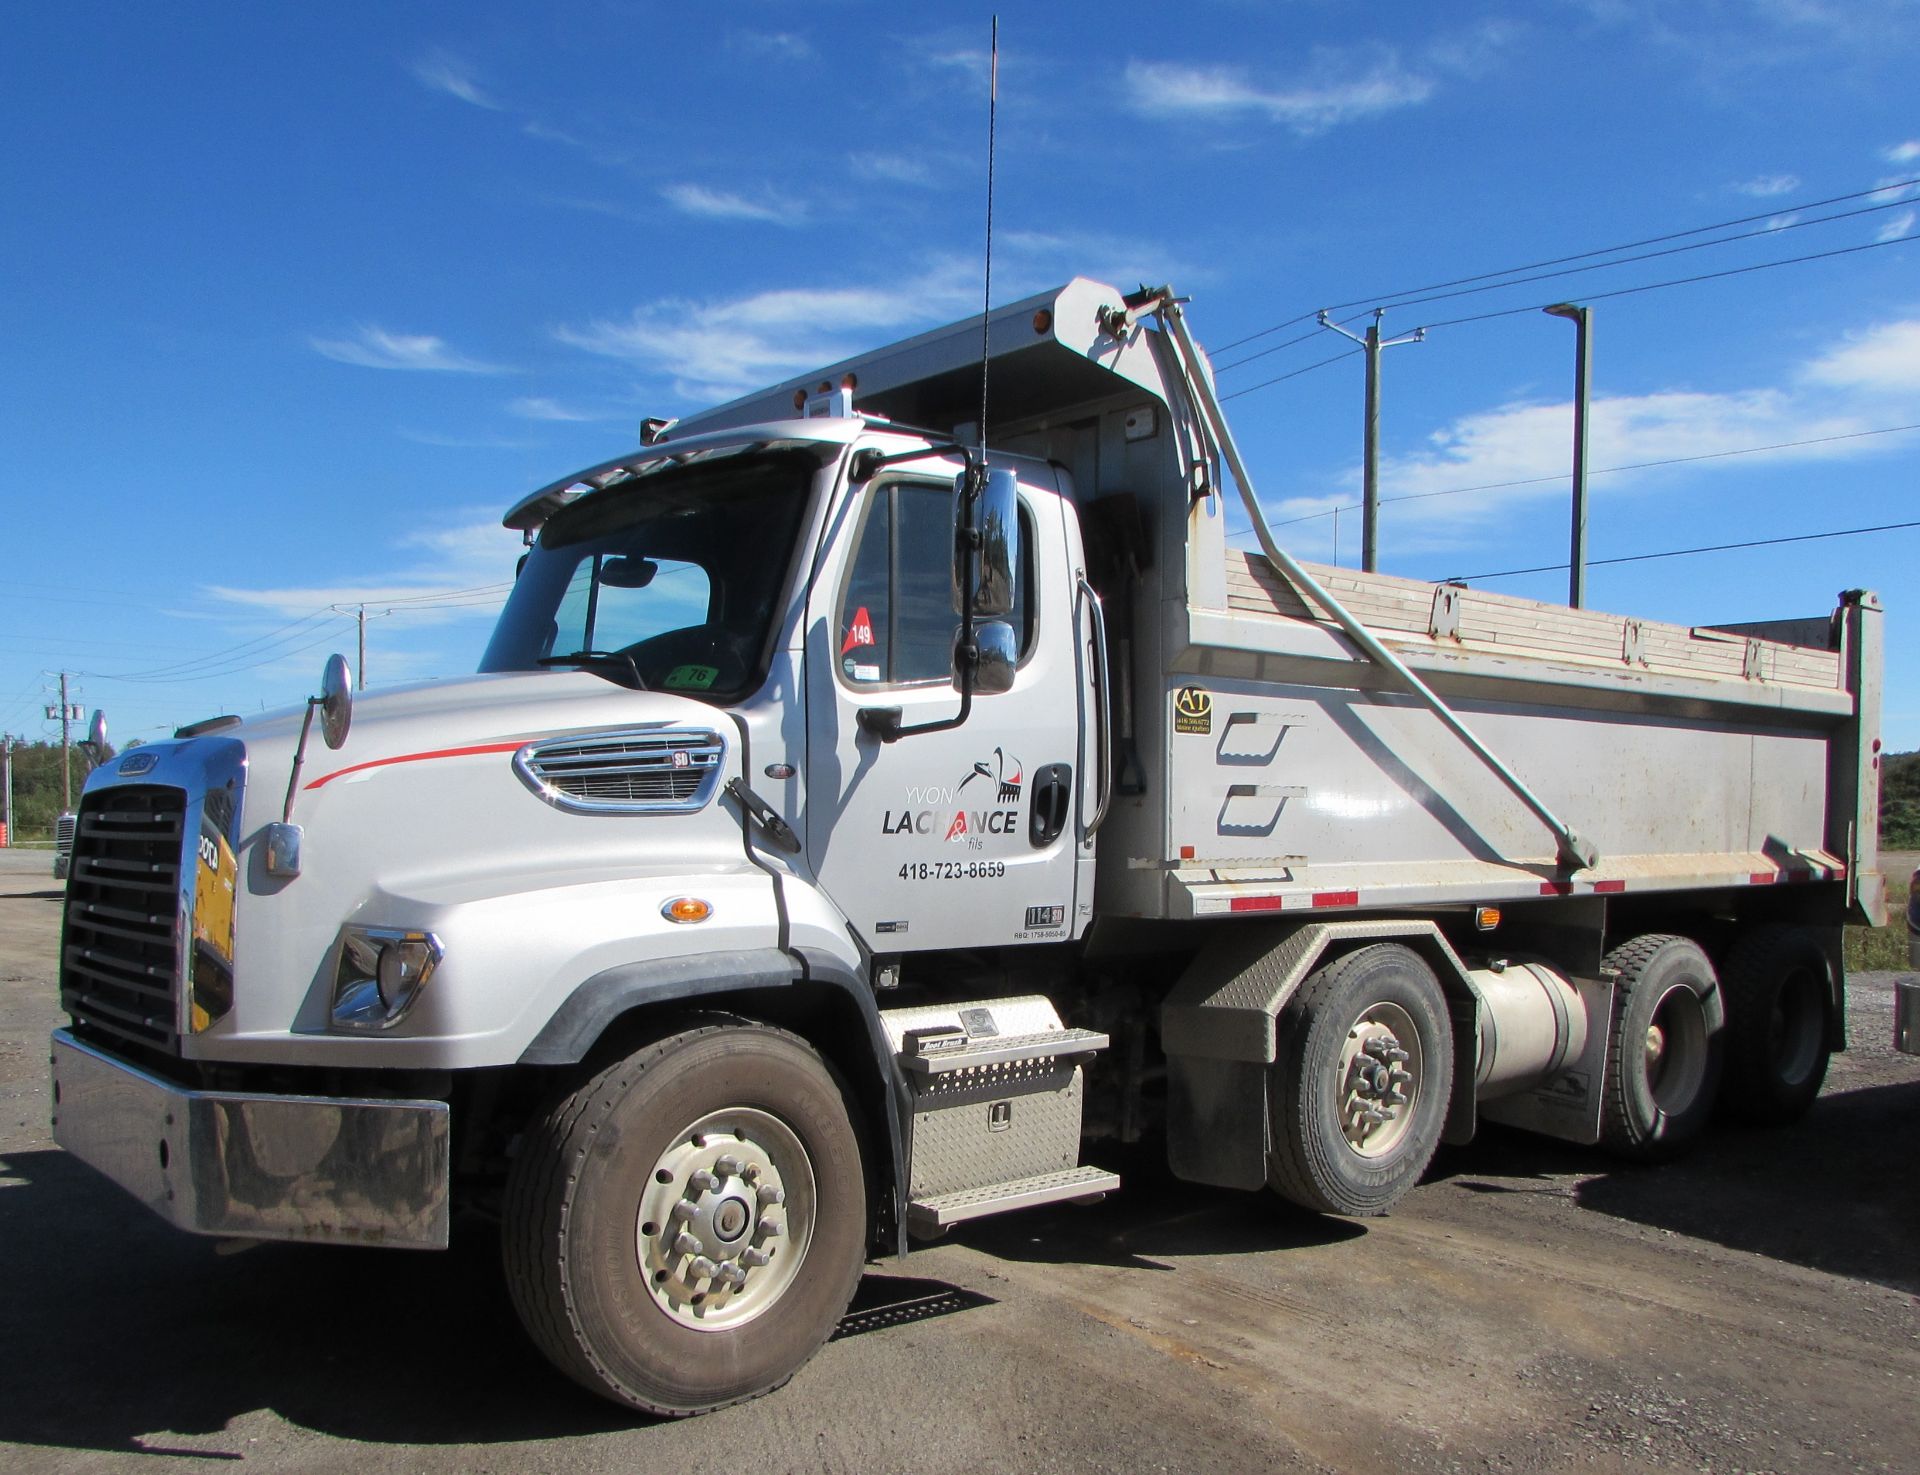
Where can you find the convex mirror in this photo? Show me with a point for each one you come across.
(994, 528)
(336, 700)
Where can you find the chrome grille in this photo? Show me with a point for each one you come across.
(648, 771)
(119, 958)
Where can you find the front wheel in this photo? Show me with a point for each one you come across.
(1361, 1082)
(686, 1229)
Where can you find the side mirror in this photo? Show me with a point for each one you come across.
(992, 533)
(95, 742)
(996, 654)
(336, 701)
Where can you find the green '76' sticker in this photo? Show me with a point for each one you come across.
(697, 677)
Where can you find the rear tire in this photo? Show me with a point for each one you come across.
(1361, 1082)
(686, 1229)
(1664, 1050)
(1778, 983)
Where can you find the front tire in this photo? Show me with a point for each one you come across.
(1664, 1048)
(1361, 1082)
(686, 1229)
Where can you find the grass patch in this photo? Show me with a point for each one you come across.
(1882, 947)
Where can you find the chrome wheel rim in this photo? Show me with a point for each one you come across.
(725, 1219)
(1381, 1068)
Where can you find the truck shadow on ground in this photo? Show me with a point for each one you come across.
(126, 1335)
(1833, 1192)
(1155, 1216)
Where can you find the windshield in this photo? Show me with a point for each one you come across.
(671, 579)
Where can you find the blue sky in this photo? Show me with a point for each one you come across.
(299, 299)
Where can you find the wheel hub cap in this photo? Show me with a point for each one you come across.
(724, 1219)
(1380, 1069)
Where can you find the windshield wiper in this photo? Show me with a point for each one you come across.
(598, 658)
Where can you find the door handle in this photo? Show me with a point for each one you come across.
(1052, 803)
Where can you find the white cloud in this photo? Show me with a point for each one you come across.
(539, 407)
(1897, 227)
(1903, 153)
(1768, 186)
(1170, 89)
(470, 562)
(376, 348)
(712, 204)
(445, 73)
(890, 169)
(1489, 459)
(782, 44)
(721, 348)
(1885, 359)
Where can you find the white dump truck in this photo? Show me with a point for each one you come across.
(858, 819)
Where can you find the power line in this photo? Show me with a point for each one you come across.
(1891, 186)
(1559, 478)
(1265, 383)
(1711, 276)
(1508, 312)
(1511, 280)
(1548, 568)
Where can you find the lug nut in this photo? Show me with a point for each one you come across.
(768, 1194)
(754, 1257)
(703, 1268)
(728, 1166)
(686, 1244)
(703, 1181)
(684, 1210)
(767, 1228)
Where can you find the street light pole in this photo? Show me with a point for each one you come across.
(1582, 318)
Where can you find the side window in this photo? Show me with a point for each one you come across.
(897, 624)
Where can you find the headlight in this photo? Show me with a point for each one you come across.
(380, 973)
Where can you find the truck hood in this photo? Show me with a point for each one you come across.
(391, 724)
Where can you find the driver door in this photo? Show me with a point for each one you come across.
(960, 838)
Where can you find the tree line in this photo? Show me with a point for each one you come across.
(36, 787)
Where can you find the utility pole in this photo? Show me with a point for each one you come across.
(1582, 319)
(68, 714)
(1370, 475)
(360, 663)
(8, 821)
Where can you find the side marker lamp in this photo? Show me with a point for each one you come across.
(1485, 919)
(379, 976)
(686, 909)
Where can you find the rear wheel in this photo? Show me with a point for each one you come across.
(1664, 1052)
(1778, 983)
(1360, 1085)
(686, 1229)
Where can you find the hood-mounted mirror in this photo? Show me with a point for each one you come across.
(335, 700)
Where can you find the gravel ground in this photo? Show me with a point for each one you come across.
(1531, 1307)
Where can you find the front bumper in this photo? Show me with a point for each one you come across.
(312, 1168)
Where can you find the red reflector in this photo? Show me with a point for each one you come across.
(1760, 878)
(1186, 852)
(1254, 904)
(1336, 898)
(1556, 888)
(1609, 885)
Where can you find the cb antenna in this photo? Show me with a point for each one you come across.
(986, 302)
